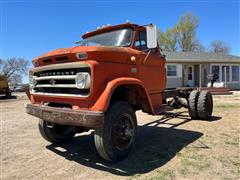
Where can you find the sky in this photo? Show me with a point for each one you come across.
(29, 28)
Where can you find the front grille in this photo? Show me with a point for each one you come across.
(53, 90)
(59, 81)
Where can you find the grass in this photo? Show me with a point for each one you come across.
(162, 175)
(135, 176)
(231, 139)
(184, 171)
(223, 161)
(232, 142)
(227, 105)
(193, 161)
(238, 167)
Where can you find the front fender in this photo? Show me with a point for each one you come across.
(103, 101)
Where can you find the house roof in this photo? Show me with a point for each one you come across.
(198, 57)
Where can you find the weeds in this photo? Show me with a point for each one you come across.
(163, 175)
(226, 106)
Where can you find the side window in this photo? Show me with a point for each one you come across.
(172, 70)
(137, 44)
(141, 42)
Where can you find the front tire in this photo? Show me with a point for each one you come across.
(116, 138)
(56, 133)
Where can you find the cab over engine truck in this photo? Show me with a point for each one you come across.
(101, 82)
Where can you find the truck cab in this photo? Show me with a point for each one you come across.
(99, 84)
(102, 57)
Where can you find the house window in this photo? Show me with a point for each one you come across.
(235, 73)
(172, 70)
(232, 72)
(190, 73)
(223, 73)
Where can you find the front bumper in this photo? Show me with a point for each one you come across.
(63, 116)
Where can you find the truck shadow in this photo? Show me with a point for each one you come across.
(154, 147)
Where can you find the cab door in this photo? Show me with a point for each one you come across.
(151, 70)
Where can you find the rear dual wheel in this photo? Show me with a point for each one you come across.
(205, 105)
(192, 104)
(200, 105)
(115, 139)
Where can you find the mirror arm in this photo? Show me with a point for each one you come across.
(145, 59)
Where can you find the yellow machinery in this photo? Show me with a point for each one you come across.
(4, 88)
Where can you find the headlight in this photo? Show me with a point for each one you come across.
(83, 80)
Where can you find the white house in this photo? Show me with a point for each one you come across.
(192, 68)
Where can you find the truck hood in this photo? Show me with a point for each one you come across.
(97, 53)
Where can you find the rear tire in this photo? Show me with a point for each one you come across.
(116, 138)
(205, 105)
(192, 104)
(56, 133)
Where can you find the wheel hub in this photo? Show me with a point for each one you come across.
(123, 132)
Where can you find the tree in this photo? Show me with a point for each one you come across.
(186, 28)
(217, 46)
(14, 69)
(168, 40)
(182, 36)
(198, 47)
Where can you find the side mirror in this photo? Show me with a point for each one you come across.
(151, 36)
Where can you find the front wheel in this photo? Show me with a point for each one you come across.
(56, 133)
(115, 139)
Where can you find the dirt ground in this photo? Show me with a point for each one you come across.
(167, 147)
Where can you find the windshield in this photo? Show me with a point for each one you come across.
(122, 37)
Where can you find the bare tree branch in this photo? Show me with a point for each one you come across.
(14, 68)
(217, 46)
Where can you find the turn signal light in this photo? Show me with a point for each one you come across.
(82, 55)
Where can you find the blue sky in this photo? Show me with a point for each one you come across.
(30, 28)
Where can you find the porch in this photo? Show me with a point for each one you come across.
(195, 75)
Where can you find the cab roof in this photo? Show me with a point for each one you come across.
(110, 28)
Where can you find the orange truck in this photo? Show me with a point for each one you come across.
(101, 82)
